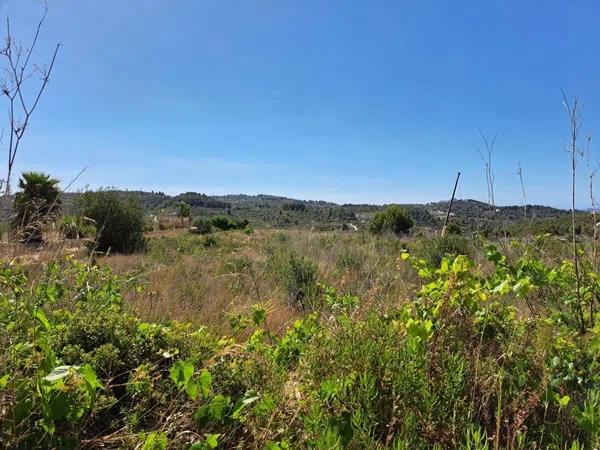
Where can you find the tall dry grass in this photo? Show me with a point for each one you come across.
(207, 279)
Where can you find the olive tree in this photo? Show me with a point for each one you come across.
(392, 218)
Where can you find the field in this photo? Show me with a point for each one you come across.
(379, 318)
(205, 279)
(263, 338)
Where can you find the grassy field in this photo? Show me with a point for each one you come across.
(206, 279)
(300, 339)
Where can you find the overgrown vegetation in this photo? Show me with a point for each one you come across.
(495, 354)
(393, 219)
(119, 222)
(36, 203)
(76, 227)
(435, 248)
(225, 223)
(300, 277)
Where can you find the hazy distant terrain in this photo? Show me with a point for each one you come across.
(275, 211)
(270, 211)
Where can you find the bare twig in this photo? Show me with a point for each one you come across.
(19, 69)
(574, 152)
(591, 174)
(486, 157)
(520, 173)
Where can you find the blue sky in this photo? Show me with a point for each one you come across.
(346, 101)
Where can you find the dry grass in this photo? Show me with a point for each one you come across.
(53, 247)
(206, 280)
(185, 280)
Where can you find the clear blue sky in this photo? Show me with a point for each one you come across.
(350, 101)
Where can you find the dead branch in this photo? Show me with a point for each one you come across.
(23, 97)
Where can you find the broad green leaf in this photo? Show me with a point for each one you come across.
(218, 407)
(181, 372)
(201, 416)
(59, 372)
(155, 441)
(249, 398)
(205, 381)
(192, 390)
(502, 288)
(41, 317)
(212, 440)
(259, 315)
(265, 405)
(282, 445)
(461, 264)
(89, 375)
(4, 380)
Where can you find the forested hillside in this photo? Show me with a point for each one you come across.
(274, 211)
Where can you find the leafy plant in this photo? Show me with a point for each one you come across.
(36, 203)
(393, 218)
(201, 226)
(183, 211)
(434, 248)
(75, 227)
(300, 277)
(119, 222)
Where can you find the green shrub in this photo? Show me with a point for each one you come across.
(184, 211)
(455, 366)
(300, 277)
(119, 221)
(201, 226)
(453, 228)
(393, 218)
(434, 249)
(36, 203)
(350, 260)
(148, 225)
(210, 241)
(294, 206)
(75, 227)
(225, 223)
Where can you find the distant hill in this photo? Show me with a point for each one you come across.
(281, 212)
(276, 211)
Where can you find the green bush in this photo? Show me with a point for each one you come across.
(225, 223)
(453, 228)
(210, 241)
(119, 221)
(75, 227)
(36, 203)
(201, 226)
(433, 249)
(393, 218)
(300, 277)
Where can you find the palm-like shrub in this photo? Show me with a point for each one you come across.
(75, 227)
(36, 203)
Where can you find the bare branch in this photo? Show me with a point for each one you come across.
(574, 128)
(14, 86)
(487, 161)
